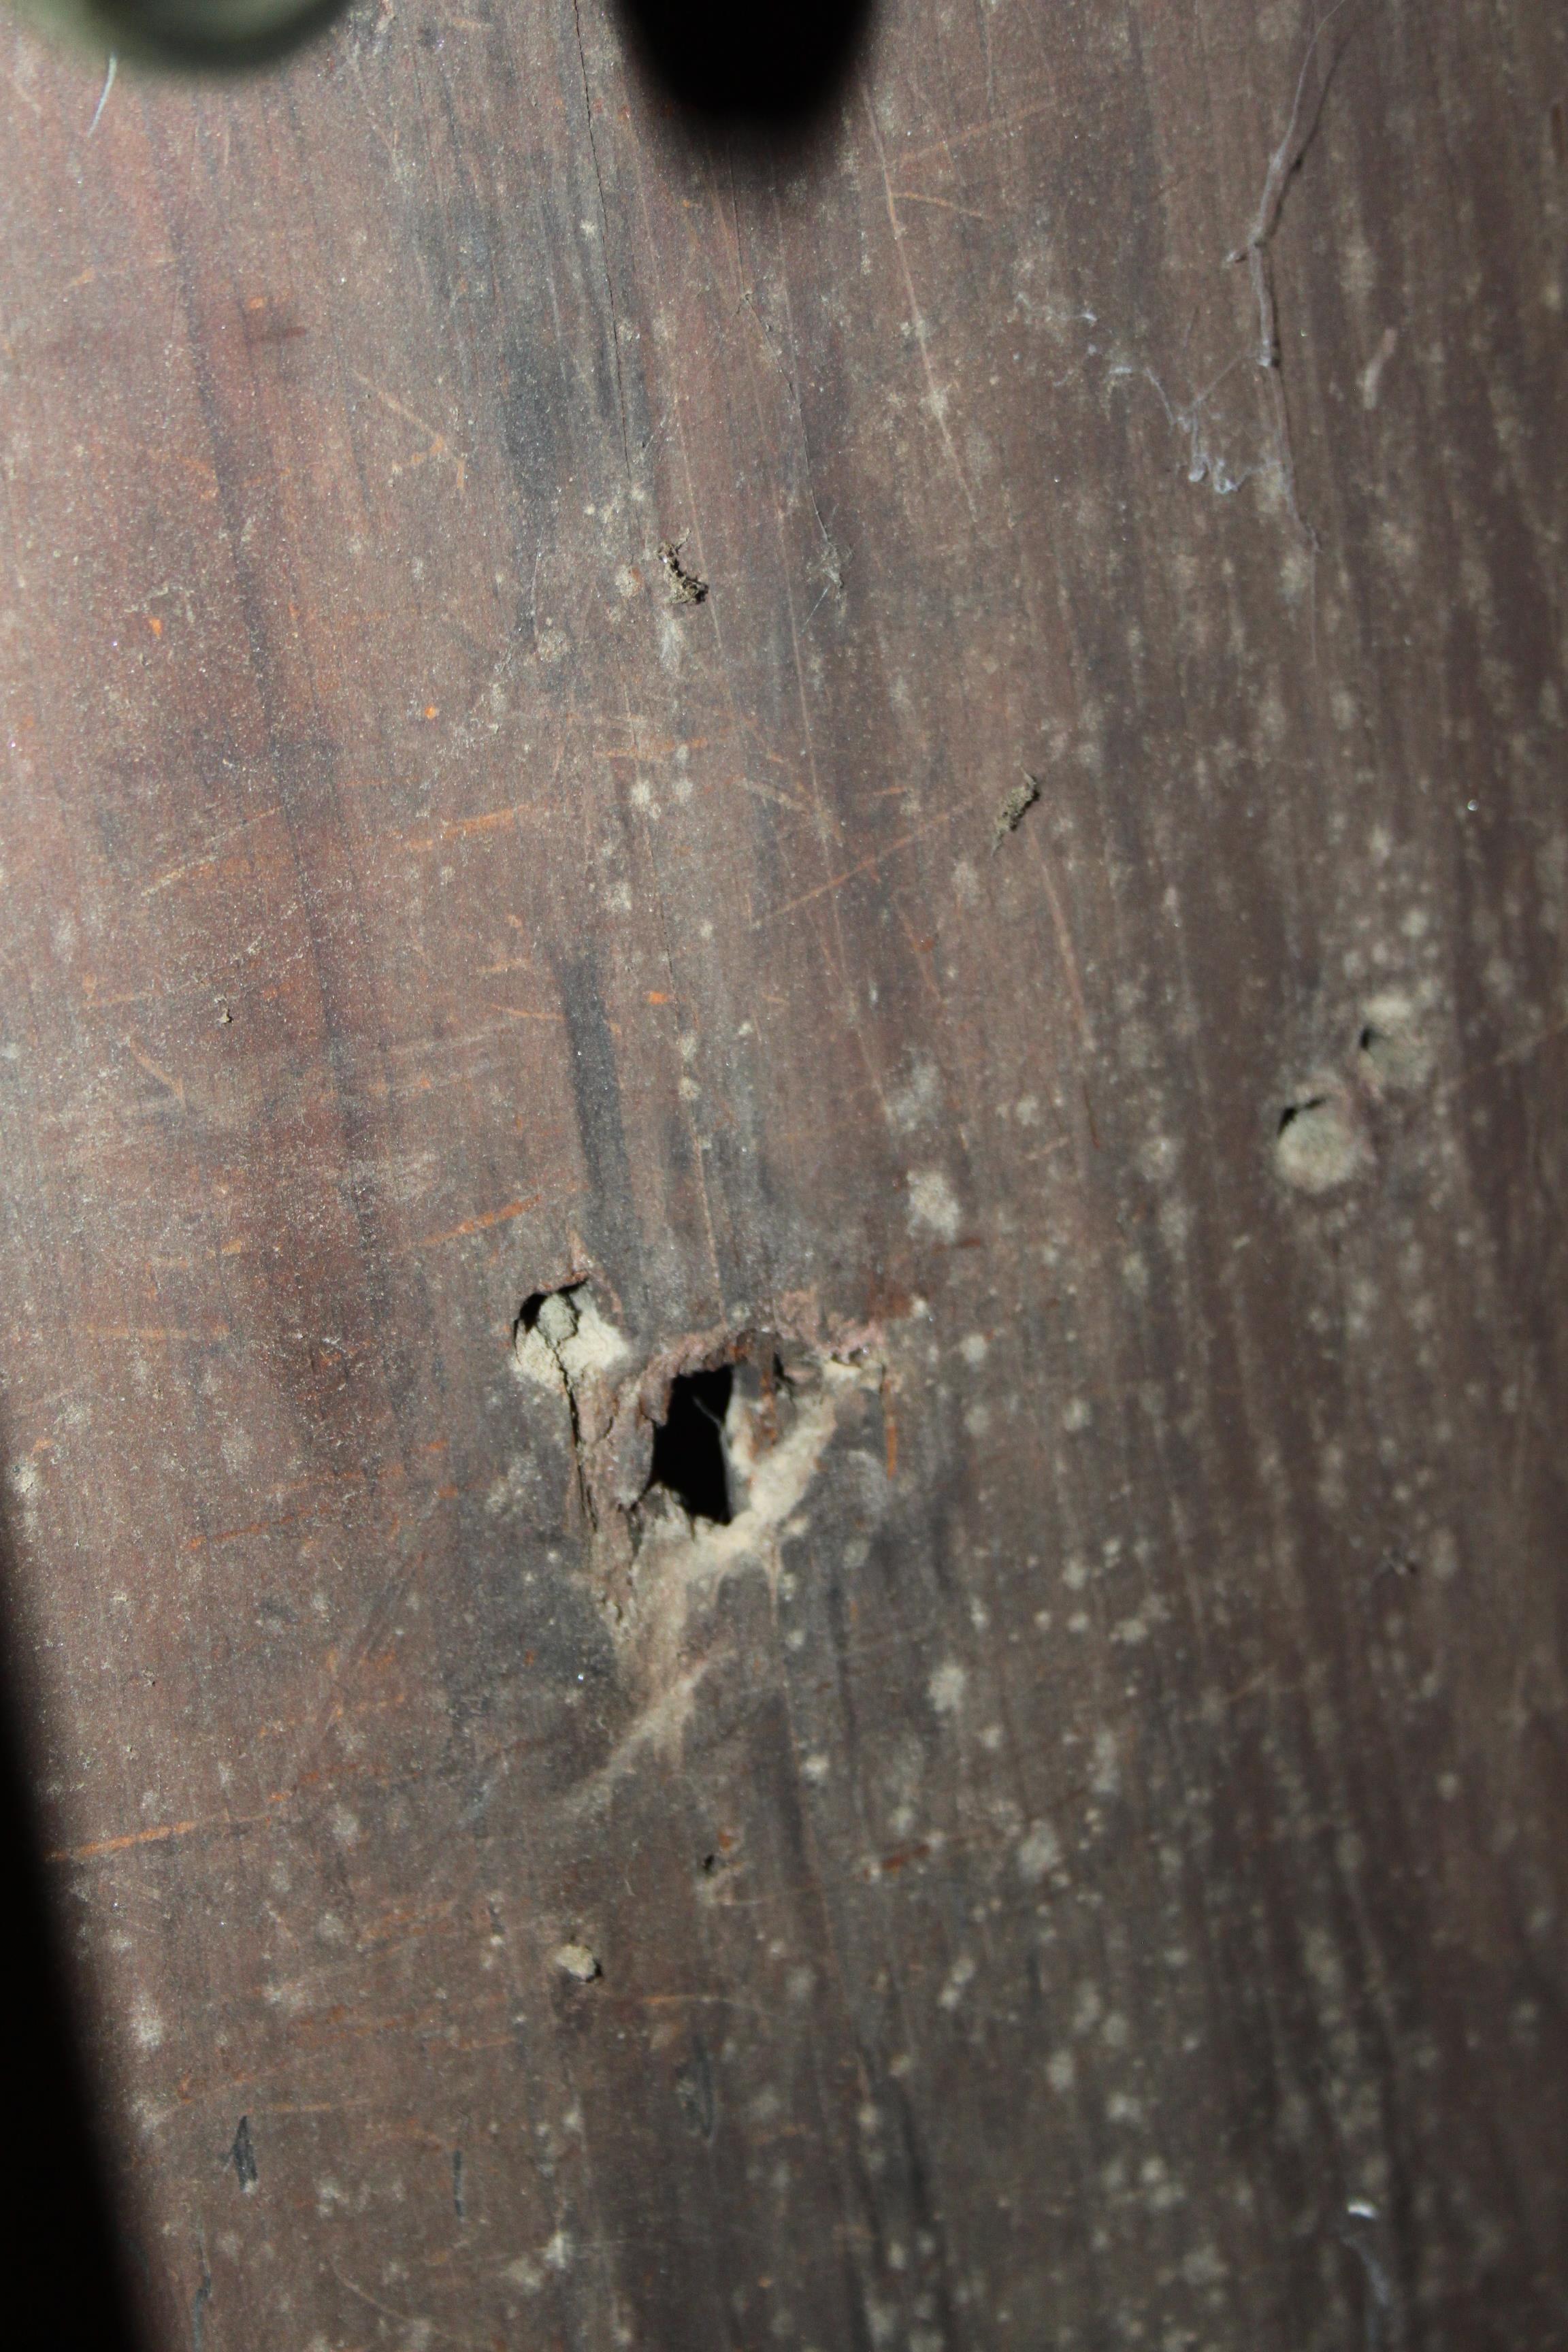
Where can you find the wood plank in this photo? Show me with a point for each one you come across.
(1079, 1859)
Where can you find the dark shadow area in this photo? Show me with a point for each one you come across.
(222, 36)
(773, 66)
(63, 2276)
(688, 1458)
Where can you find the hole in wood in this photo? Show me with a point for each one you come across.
(689, 1456)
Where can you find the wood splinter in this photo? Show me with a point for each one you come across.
(684, 587)
(1010, 816)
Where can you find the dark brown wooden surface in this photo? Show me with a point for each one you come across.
(1085, 1866)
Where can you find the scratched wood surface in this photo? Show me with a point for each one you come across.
(1085, 1866)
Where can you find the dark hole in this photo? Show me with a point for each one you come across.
(530, 1306)
(1293, 1110)
(688, 1445)
(1367, 1039)
(774, 67)
(710, 1864)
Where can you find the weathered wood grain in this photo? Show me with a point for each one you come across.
(1092, 1872)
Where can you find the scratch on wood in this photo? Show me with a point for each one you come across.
(867, 864)
(202, 865)
(155, 1069)
(492, 819)
(439, 447)
(1283, 165)
(772, 792)
(158, 1334)
(1065, 948)
(482, 1224)
(999, 126)
(913, 196)
(99, 1846)
(604, 236)
(103, 93)
(409, 2320)
(937, 396)
(199, 2302)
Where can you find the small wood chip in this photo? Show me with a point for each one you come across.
(1010, 816)
(685, 588)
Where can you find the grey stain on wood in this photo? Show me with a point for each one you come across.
(694, 2088)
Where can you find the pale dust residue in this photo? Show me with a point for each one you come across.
(917, 1100)
(1396, 1044)
(1037, 1853)
(1105, 1777)
(235, 1447)
(576, 1961)
(933, 1205)
(147, 2027)
(947, 1687)
(960, 1977)
(1320, 1146)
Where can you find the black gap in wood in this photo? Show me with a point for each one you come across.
(688, 1458)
